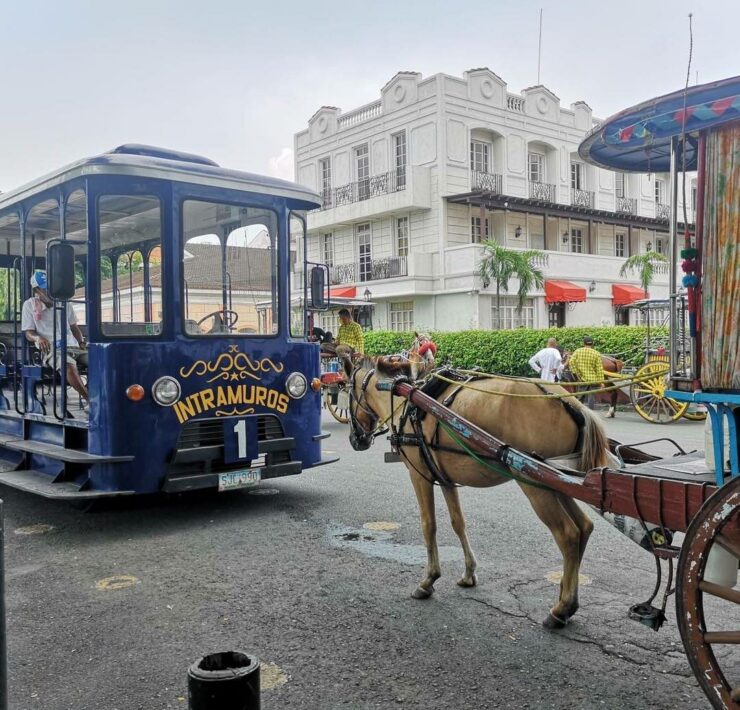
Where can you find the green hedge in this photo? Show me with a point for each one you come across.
(507, 352)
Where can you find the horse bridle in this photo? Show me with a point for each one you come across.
(361, 435)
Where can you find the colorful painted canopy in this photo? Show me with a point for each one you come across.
(638, 139)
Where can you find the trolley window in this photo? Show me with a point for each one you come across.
(130, 265)
(230, 265)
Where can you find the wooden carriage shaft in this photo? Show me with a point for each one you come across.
(659, 501)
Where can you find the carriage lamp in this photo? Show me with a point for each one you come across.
(315, 384)
(518, 232)
(296, 385)
(135, 393)
(166, 391)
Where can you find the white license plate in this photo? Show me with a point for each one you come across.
(343, 400)
(239, 479)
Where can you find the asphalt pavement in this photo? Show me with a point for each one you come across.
(313, 574)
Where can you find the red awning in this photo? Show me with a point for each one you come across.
(343, 292)
(563, 292)
(624, 294)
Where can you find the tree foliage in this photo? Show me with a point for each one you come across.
(646, 265)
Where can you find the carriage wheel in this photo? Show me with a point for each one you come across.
(716, 524)
(648, 396)
(695, 415)
(339, 412)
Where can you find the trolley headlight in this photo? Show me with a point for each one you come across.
(296, 385)
(166, 391)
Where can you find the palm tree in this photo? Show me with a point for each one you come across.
(500, 264)
(646, 265)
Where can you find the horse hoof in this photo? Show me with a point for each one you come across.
(421, 593)
(467, 581)
(553, 622)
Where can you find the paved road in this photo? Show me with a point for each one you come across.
(295, 577)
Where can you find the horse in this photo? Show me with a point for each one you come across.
(425, 347)
(612, 366)
(544, 427)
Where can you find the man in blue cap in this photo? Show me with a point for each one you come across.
(37, 322)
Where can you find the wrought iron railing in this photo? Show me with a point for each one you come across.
(383, 184)
(488, 182)
(543, 191)
(389, 267)
(662, 211)
(627, 205)
(581, 198)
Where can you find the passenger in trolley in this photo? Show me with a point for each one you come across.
(37, 322)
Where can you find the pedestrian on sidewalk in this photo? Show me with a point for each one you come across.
(548, 361)
(585, 364)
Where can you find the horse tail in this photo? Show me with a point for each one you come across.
(595, 445)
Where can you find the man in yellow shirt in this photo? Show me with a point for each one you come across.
(350, 337)
(585, 363)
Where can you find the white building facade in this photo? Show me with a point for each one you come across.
(413, 182)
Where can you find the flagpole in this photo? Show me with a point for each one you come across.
(539, 50)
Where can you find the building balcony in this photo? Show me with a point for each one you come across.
(376, 196)
(582, 198)
(662, 211)
(389, 267)
(487, 182)
(542, 191)
(626, 205)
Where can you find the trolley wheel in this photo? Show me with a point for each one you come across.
(648, 396)
(716, 524)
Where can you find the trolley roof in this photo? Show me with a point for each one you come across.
(152, 162)
(638, 139)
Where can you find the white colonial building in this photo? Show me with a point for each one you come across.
(412, 182)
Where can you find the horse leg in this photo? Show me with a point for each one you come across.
(612, 404)
(458, 525)
(552, 512)
(425, 497)
(586, 527)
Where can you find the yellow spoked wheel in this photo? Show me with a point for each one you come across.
(695, 415)
(340, 410)
(648, 395)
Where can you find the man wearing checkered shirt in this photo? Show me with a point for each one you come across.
(350, 334)
(585, 363)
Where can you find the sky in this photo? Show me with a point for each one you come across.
(235, 80)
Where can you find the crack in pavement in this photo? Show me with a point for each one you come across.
(497, 608)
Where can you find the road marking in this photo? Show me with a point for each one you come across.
(272, 676)
(264, 492)
(381, 525)
(120, 581)
(556, 577)
(35, 529)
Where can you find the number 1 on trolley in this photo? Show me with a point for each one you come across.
(240, 440)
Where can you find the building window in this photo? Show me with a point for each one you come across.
(619, 184)
(327, 243)
(576, 240)
(328, 321)
(362, 171)
(656, 316)
(576, 176)
(364, 247)
(619, 244)
(402, 236)
(325, 172)
(659, 192)
(536, 167)
(402, 316)
(510, 318)
(480, 157)
(400, 157)
(693, 200)
(475, 230)
(661, 245)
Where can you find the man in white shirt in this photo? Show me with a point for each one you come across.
(37, 322)
(548, 362)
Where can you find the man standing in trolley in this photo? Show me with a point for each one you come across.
(585, 364)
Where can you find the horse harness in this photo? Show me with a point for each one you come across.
(414, 415)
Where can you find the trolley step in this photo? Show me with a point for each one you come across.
(42, 485)
(60, 453)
